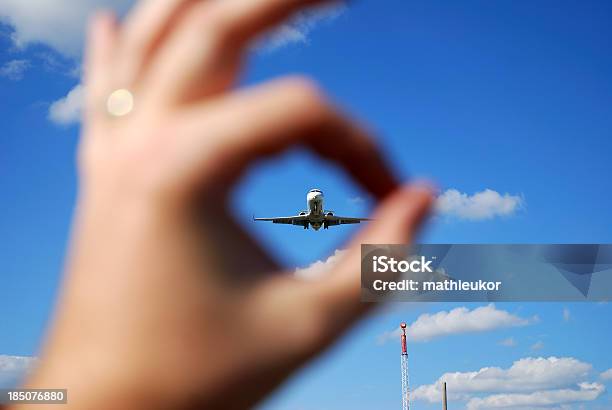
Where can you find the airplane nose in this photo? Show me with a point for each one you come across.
(315, 196)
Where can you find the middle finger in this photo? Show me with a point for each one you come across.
(202, 55)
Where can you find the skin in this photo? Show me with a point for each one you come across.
(166, 302)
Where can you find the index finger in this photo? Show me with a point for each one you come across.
(224, 136)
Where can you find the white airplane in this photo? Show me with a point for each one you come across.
(315, 216)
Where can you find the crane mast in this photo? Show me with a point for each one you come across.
(404, 366)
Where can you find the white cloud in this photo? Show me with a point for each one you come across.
(509, 342)
(567, 315)
(607, 375)
(524, 376)
(390, 335)
(59, 24)
(356, 200)
(13, 369)
(539, 345)
(539, 399)
(457, 321)
(482, 205)
(67, 110)
(56, 63)
(320, 268)
(284, 35)
(298, 29)
(15, 69)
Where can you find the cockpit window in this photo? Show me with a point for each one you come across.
(315, 190)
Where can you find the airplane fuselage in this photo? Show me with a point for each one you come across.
(314, 201)
(316, 213)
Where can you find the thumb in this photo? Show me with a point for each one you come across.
(396, 221)
(315, 312)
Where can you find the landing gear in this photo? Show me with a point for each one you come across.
(306, 226)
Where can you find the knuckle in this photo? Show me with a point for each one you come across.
(306, 91)
(219, 27)
(307, 100)
(133, 47)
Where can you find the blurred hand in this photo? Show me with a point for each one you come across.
(167, 303)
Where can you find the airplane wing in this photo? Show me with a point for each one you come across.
(301, 220)
(333, 220)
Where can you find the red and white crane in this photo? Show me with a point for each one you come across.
(404, 364)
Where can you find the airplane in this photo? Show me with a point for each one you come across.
(315, 216)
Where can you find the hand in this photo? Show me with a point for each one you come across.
(167, 303)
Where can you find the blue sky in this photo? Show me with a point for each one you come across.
(511, 96)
